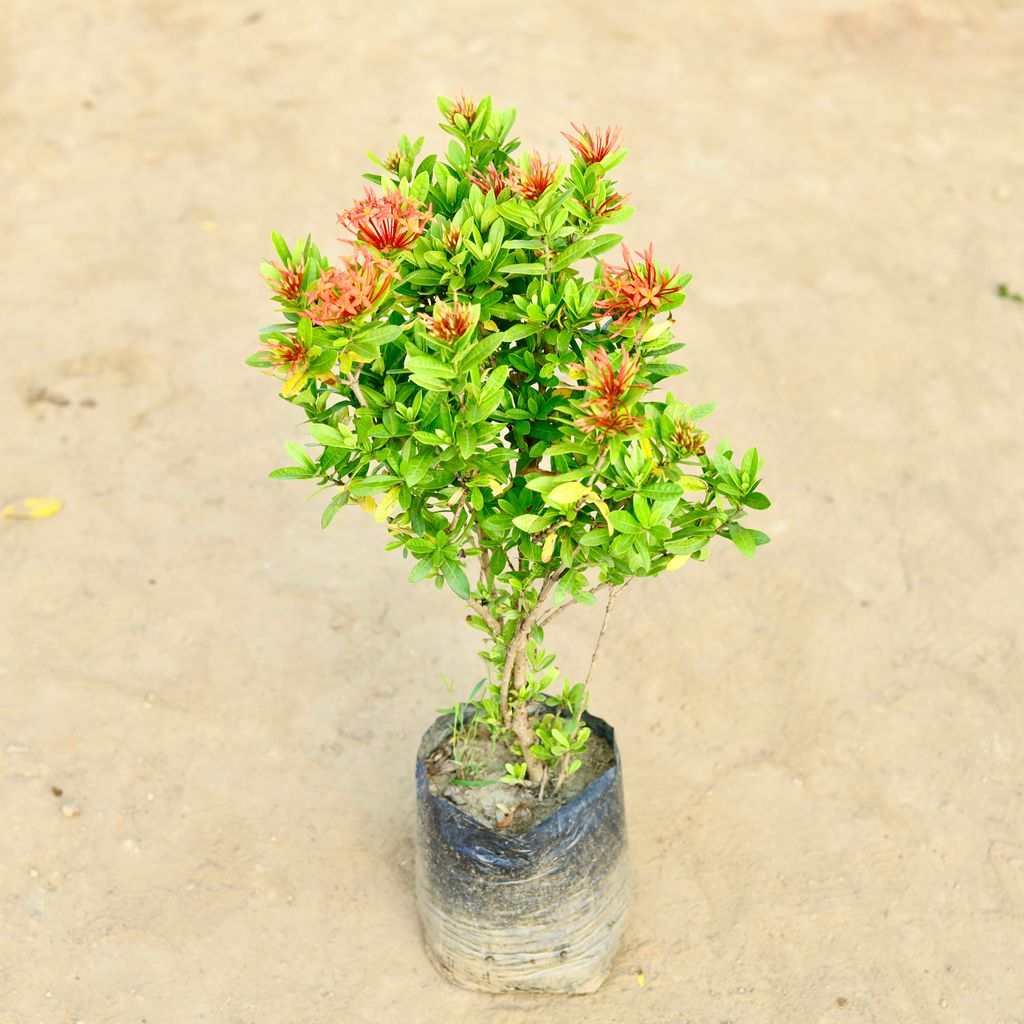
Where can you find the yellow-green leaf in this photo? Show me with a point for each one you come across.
(566, 494)
(294, 384)
(385, 503)
(692, 483)
(531, 523)
(655, 331)
(549, 546)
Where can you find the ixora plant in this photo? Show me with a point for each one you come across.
(477, 378)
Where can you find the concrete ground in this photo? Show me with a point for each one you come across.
(824, 750)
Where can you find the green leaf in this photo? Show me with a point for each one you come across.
(292, 473)
(584, 247)
(416, 468)
(456, 579)
(421, 570)
(494, 383)
(692, 483)
(379, 335)
(542, 483)
(424, 278)
(366, 485)
(756, 500)
(743, 539)
(748, 469)
(298, 453)
(323, 362)
(337, 502)
(524, 268)
(664, 491)
(476, 354)
(428, 366)
(328, 436)
(531, 523)
(624, 522)
(281, 246)
(517, 332)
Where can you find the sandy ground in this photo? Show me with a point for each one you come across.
(824, 750)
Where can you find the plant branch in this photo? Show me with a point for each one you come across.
(490, 621)
(563, 768)
(515, 667)
(356, 389)
(485, 556)
(612, 594)
(555, 612)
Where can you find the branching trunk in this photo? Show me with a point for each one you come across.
(513, 678)
(524, 733)
(518, 720)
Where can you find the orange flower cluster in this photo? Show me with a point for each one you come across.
(607, 412)
(288, 354)
(463, 106)
(614, 202)
(450, 321)
(286, 282)
(636, 288)
(536, 178)
(349, 289)
(388, 222)
(491, 180)
(593, 147)
(450, 237)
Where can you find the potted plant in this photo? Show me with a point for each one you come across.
(476, 377)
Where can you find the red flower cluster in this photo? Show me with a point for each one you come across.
(450, 322)
(607, 412)
(636, 288)
(612, 203)
(286, 282)
(592, 147)
(388, 222)
(349, 289)
(289, 354)
(536, 178)
(462, 105)
(491, 180)
(450, 237)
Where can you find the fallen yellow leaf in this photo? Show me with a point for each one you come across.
(641, 978)
(33, 508)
